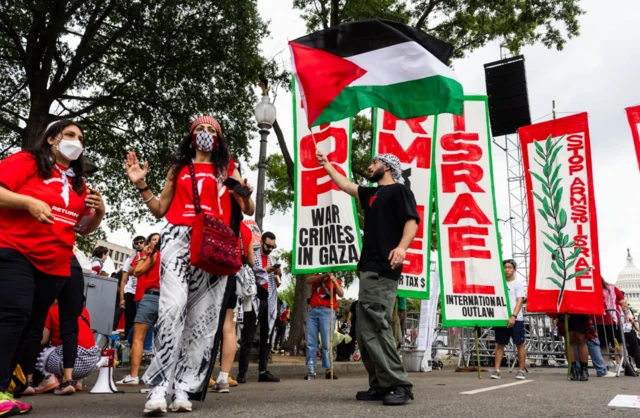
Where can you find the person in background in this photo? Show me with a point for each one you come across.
(608, 325)
(128, 286)
(191, 300)
(402, 320)
(69, 307)
(319, 319)
(118, 311)
(629, 328)
(265, 304)
(515, 327)
(593, 345)
(52, 363)
(577, 344)
(98, 258)
(352, 323)
(229, 339)
(281, 326)
(43, 196)
(147, 270)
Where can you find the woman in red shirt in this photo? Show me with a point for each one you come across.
(188, 295)
(319, 318)
(147, 270)
(42, 197)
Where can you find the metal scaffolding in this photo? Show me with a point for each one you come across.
(518, 209)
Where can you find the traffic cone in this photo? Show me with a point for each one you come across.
(105, 378)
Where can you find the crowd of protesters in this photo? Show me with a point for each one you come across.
(177, 308)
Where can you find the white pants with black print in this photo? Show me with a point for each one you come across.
(188, 316)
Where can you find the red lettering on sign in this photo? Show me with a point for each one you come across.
(414, 260)
(459, 239)
(311, 188)
(582, 286)
(469, 174)
(419, 150)
(308, 147)
(460, 285)
(309, 179)
(465, 206)
(465, 151)
(390, 122)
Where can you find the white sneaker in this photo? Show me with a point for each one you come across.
(180, 401)
(609, 374)
(156, 401)
(129, 380)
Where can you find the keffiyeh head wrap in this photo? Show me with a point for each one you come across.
(208, 120)
(393, 163)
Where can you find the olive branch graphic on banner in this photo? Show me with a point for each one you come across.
(555, 216)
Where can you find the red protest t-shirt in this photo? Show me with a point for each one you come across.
(320, 294)
(213, 201)
(149, 280)
(85, 335)
(246, 234)
(48, 247)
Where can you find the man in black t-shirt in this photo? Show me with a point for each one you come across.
(391, 223)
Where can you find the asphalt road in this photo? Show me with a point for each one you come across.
(438, 394)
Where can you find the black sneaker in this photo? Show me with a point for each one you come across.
(328, 376)
(397, 396)
(242, 378)
(370, 395)
(267, 377)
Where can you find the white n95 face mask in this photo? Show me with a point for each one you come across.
(71, 149)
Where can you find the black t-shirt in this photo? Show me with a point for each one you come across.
(386, 211)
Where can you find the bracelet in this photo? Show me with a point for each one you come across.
(144, 189)
(149, 199)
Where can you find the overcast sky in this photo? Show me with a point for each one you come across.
(597, 73)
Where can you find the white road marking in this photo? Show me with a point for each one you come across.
(473, 392)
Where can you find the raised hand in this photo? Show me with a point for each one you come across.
(134, 171)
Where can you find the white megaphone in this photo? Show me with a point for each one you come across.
(105, 384)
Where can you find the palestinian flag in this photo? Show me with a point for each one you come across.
(374, 63)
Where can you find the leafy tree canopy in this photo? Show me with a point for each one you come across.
(466, 24)
(133, 73)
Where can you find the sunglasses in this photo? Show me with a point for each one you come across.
(270, 247)
(139, 242)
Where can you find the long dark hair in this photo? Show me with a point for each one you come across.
(220, 155)
(150, 237)
(45, 158)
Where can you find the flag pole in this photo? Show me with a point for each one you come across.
(567, 344)
(331, 328)
(475, 330)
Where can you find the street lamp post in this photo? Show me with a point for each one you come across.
(265, 114)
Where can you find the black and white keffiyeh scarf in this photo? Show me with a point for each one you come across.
(261, 276)
(393, 163)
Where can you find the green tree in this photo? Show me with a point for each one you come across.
(133, 73)
(86, 243)
(465, 24)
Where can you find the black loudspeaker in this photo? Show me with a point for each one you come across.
(508, 97)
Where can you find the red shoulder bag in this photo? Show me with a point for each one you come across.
(214, 246)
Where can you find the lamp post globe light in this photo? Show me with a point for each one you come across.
(265, 113)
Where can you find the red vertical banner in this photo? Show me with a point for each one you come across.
(633, 114)
(565, 264)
